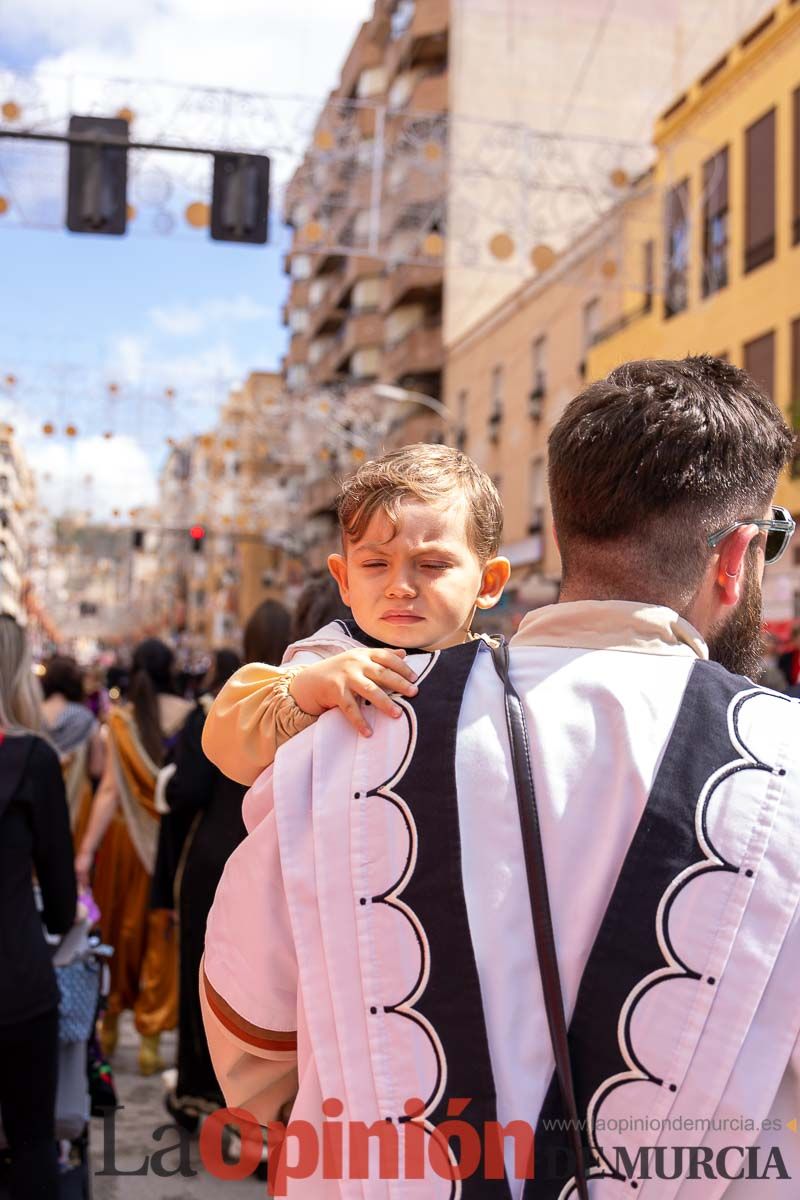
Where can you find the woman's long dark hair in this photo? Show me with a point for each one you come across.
(266, 634)
(225, 663)
(151, 676)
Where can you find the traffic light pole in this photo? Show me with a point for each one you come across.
(239, 210)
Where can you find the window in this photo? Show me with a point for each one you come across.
(496, 411)
(462, 404)
(796, 167)
(648, 275)
(676, 240)
(539, 364)
(759, 199)
(794, 395)
(536, 498)
(715, 223)
(759, 361)
(591, 323)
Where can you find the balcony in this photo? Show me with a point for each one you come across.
(328, 314)
(410, 284)
(424, 41)
(366, 52)
(357, 267)
(360, 331)
(420, 352)
(431, 93)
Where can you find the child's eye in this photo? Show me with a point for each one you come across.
(373, 564)
(435, 566)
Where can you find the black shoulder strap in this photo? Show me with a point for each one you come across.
(540, 907)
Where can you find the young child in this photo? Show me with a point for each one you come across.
(421, 531)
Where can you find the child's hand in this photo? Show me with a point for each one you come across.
(337, 682)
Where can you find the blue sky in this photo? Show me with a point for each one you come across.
(155, 311)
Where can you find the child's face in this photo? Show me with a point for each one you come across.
(418, 585)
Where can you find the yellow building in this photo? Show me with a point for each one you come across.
(510, 377)
(727, 237)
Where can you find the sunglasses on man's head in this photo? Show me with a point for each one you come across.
(779, 532)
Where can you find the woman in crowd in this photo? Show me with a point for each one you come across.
(34, 836)
(123, 832)
(76, 735)
(200, 794)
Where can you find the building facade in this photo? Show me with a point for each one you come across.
(509, 379)
(366, 206)
(726, 238)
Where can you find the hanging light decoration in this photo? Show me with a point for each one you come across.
(11, 380)
(113, 388)
(108, 434)
(501, 246)
(71, 431)
(48, 428)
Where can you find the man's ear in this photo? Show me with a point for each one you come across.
(732, 564)
(337, 565)
(496, 575)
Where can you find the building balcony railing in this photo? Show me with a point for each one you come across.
(408, 284)
(419, 352)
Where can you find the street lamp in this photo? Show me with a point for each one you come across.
(390, 391)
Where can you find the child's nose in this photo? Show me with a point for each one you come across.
(400, 585)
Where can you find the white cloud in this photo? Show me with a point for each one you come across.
(261, 47)
(183, 320)
(92, 473)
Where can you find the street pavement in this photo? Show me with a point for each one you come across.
(142, 1114)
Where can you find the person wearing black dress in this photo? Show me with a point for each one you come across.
(201, 798)
(34, 837)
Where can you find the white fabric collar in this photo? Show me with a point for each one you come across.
(611, 625)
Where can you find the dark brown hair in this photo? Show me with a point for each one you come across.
(427, 472)
(63, 677)
(645, 464)
(151, 676)
(266, 634)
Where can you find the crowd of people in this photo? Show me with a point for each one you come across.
(113, 810)
(376, 915)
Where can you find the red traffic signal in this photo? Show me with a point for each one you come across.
(197, 533)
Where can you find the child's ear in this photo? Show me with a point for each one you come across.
(496, 575)
(337, 565)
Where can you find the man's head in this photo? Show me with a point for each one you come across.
(421, 531)
(647, 464)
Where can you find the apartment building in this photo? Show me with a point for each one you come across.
(726, 238)
(366, 206)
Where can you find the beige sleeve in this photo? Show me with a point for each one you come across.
(256, 1069)
(251, 717)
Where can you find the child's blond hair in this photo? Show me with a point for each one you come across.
(429, 473)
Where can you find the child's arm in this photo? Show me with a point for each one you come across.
(261, 707)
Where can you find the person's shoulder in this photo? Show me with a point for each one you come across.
(43, 756)
(333, 638)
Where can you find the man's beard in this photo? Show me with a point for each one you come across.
(737, 643)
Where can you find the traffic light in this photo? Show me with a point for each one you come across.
(97, 182)
(197, 533)
(138, 539)
(240, 198)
